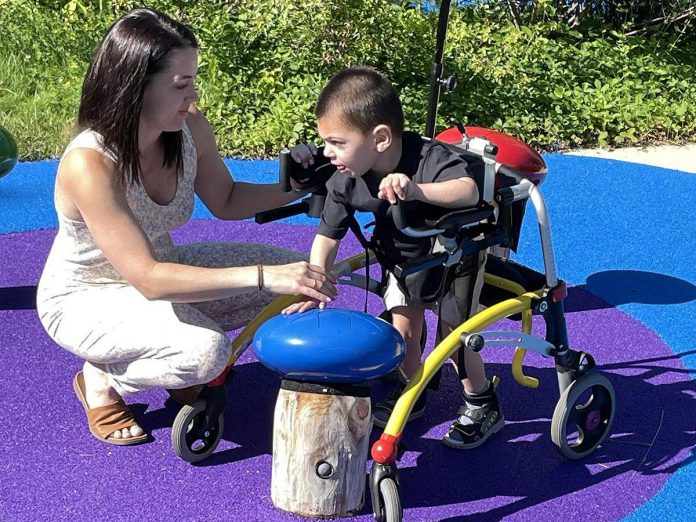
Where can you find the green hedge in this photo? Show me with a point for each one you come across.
(264, 61)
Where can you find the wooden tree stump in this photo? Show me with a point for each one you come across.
(320, 440)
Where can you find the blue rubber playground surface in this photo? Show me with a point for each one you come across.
(624, 241)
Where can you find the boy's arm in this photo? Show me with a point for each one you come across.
(323, 253)
(453, 193)
(324, 250)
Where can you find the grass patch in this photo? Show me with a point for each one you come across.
(39, 114)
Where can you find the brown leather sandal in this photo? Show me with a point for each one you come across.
(186, 396)
(103, 421)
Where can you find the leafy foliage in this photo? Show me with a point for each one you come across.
(627, 16)
(558, 87)
(263, 62)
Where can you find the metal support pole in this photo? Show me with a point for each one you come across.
(436, 74)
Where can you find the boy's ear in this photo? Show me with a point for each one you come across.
(383, 137)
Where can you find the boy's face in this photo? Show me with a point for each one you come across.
(350, 150)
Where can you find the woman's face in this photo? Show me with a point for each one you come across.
(170, 92)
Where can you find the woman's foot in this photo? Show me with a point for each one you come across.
(99, 393)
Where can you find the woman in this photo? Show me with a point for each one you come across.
(115, 290)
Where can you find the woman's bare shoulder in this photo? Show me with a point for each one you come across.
(84, 174)
(83, 170)
(81, 161)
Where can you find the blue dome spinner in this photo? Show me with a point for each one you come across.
(331, 345)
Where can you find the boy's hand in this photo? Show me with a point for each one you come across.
(303, 306)
(397, 186)
(304, 153)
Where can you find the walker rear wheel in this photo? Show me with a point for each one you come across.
(191, 439)
(583, 416)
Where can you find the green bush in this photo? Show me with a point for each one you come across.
(628, 16)
(263, 62)
(556, 87)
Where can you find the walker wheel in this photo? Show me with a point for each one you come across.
(191, 440)
(391, 510)
(583, 416)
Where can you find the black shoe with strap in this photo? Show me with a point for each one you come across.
(479, 418)
(383, 409)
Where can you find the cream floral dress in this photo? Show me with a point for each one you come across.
(90, 310)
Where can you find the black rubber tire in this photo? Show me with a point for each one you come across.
(391, 502)
(188, 442)
(591, 419)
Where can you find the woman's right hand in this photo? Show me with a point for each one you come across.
(313, 281)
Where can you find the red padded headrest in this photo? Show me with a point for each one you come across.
(512, 152)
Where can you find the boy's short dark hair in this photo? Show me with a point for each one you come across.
(363, 98)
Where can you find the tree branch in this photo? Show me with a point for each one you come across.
(515, 13)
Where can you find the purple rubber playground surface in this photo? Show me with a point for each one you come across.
(51, 468)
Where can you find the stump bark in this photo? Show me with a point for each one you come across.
(320, 442)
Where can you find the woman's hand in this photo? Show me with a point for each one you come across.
(304, 153)
(313, 281)
(397, 185)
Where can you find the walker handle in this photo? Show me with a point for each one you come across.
(450, 222)
(282, 212)
(398, 214)
(421, 263)
(314, 176)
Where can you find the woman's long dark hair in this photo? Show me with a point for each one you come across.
(136, 46)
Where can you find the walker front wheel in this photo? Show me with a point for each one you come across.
(583, 416)
(391, 511)
(193, 438)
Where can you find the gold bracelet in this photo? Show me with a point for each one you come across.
(259, 280)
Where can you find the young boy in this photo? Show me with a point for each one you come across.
(360, 120)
